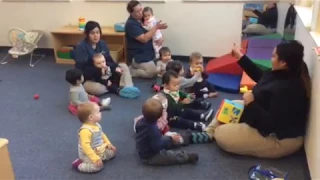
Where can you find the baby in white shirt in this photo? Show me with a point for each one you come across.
(149, 21)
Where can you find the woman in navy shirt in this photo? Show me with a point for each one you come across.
(139, 42)
(91, 45)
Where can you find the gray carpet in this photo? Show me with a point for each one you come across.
(43, 134)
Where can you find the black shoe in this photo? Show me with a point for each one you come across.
(193, 158)
(199, 126)
(207, 115)
(205, 105)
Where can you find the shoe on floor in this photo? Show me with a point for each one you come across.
(76, 163)
(129, 92)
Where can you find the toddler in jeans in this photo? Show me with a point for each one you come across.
(149, 21)
(77, 93)
(94, 146)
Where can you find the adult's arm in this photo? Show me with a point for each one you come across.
(268, 14)
(135, 31)
(253, 71)
(81, 56)
(109, 60)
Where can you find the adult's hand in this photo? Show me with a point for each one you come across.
(236, 52)
(248, 98)
(161, 25)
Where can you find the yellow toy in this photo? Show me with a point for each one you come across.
(244, 90)
(197, 69)
(229, 112)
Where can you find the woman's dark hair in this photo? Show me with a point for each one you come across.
(90, 25)
(175, 66)
(147, 9)
(73, 75)
(131, 5)
(292, 52)
(166, 77)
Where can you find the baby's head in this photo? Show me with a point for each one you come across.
(147, 13)
(175, 66)
(152, 110)
(89, 112)
(165, 54)
(99, 60)
(74, 77)
(196, 60)
(171, 81)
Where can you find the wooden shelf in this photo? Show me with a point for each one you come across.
(71, 35)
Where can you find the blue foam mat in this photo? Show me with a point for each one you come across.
(225, 82)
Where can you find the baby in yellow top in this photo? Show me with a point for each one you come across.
(94, 146)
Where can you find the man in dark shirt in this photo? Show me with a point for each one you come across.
(152, 145)
(267, 21)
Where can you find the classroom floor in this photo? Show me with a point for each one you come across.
(43, 134)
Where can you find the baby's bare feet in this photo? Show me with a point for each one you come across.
(213, 94)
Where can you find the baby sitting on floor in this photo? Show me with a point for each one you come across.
(78, 95)
(162, 122)
(94, 146)
(202, 88)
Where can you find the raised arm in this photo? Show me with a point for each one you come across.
(253, 71)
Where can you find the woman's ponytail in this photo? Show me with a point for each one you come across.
(305, 77)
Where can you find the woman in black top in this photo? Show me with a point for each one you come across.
(274, 119)
(267, 21)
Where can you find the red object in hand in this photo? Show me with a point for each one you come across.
(36, 96)
(156, 88)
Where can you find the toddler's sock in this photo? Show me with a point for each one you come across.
(200, 137)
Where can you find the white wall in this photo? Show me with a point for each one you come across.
(204, 27)
(282, 13)
(312, 146)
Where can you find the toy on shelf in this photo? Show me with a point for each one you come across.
(229, 112)
(82, 23)
(65, 52)
(244, 90)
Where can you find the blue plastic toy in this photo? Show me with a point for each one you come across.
(266, 173)
(119, 27)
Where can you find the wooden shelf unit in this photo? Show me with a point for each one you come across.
(71, 36)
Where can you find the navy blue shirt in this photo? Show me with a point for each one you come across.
(149, 140)
(84, 53)
(140, 52)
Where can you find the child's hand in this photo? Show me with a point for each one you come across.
(98, 163)
(176, 138)
(109, 83)
(110, 146)
(186, 101)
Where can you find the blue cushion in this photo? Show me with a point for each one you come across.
(129, 92)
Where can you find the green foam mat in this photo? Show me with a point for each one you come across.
(263, 64)
(269, 36)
